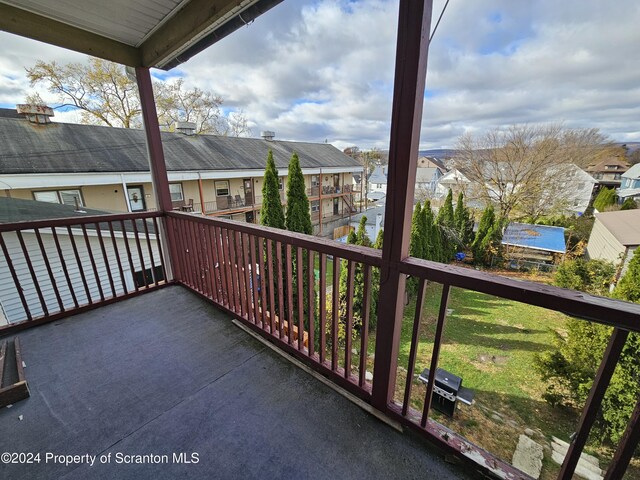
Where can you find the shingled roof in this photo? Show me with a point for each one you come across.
(73, 148)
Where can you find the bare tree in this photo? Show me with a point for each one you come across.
(524, 170)
(105, 95)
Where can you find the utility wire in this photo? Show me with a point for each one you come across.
(438, 22)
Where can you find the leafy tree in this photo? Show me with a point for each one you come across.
(605, 198)
(571, 368)
(298, 218)
(629, 204)
(105, 95)
(271, 211)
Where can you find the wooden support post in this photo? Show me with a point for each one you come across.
(414, 22)
(157, 163)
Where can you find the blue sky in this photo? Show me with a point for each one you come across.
(323, 69)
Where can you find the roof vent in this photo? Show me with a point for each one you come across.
(186, 128)
(35, 113)
(268, 135)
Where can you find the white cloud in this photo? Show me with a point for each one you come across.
(323, 69)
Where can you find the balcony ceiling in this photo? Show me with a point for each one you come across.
(150, 33)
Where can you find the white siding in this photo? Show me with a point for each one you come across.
(603, 245)
(9, 297)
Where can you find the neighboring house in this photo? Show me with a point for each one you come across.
(630, 185)
(107, 169)
(374, 223)
(456, 180)
(428, 173)
(608, 173)
(574, 193)
(614, 237)
(17, 210)
(533, 246)
(378, 182)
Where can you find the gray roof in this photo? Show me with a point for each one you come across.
(371, 215)
(73, 148)
(18, 210)
(623, 224)
(633, 172)
(379, 175)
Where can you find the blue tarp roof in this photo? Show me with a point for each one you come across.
(537, 237)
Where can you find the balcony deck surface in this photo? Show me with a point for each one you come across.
(167, 372)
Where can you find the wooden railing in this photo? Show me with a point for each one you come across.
(53, 268)
(312, 297)
(253, 273)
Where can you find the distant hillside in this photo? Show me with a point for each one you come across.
(439, 153)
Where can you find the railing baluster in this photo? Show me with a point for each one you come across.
(193, 252)
(311, 301)
(32, 272)
(236, 254)
(16, 280)
(156, 228)
(248, 270)
(272, 283)
(626, 448)
(233, 264)
(300, 295)
(335, 313)
(231, 288)
(224, 285)
(290, 316)
(47, 265)
(93, 261)
(322, 320)
(437, 341)
(182, 257)
(125, 238)
(79, 263)
(594, 400)
(348, 331)
(255, 282)
(117, 254)
(211, 262)
(106, 259)
(140, 256)
(281, 306)
(263, 291)
(364, 335)
(202, 259)
(414, 345)
(63, 264)
(154, 275)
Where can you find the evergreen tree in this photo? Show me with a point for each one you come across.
(447, 227)
(416, 241)
(271, 212)
(362, 238)
(298, 217)
(375, 286)
(605, 198)
(433, 243)
(487, 242)
(463, 222)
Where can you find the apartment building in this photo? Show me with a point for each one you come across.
(107, 169)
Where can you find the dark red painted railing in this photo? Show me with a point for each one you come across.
(252, 272)
(64, 266)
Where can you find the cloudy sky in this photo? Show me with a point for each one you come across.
(316, 70)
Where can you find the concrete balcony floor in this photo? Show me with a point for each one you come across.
(166, 373)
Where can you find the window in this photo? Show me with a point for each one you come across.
(175, 189)
(66, 197)
(315, 206)
(315, 180)
(150, 275)
(222, 188)
(281, 183)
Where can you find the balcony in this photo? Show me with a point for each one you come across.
(173, 371)
(170, 373)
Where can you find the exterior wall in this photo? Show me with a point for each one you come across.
(9, 298)
(105, 197)
(603, 245)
